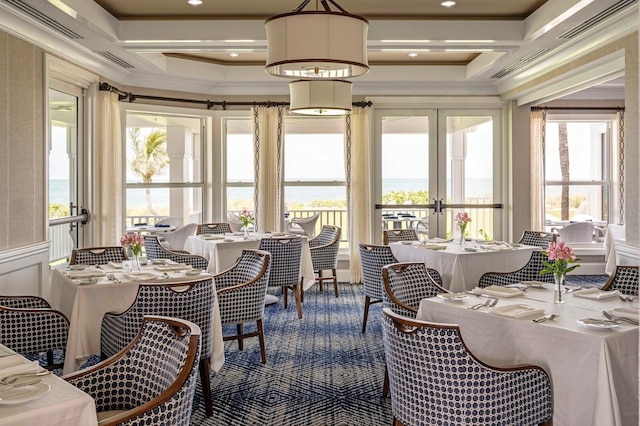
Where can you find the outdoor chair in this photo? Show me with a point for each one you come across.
(578, 232)
(304, 225)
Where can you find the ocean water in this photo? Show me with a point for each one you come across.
(59, 192)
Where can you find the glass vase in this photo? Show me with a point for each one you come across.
(246, 232)
(135, 263)
(462, 238)
(558, 293)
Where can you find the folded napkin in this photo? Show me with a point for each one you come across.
(19, 367)
(86, 274)
(594, 293)
(629, 313)
(140, 276)
(432, 246)
(516, 311)
(499, 291)
(172, 267)
(115, 265)
(212, 236)
(439, 240)
(520, 286)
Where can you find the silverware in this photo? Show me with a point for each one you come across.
(32, 381)
(491, 301)
(626, 298)
(12, 378)
(619, 320)
(545, 318)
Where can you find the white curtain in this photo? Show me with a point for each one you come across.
(107, 207)
(358, 171)
(268, 137)
(538, 124)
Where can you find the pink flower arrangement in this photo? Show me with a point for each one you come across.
(133, 241)
(246, 217)
(560, 256)
(462, 219)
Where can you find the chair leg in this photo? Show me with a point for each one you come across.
(367, 302)
(296, 294)
(263, 352)
(397, 422)
(285, 291)
(320, 279)
(385, 383)
(335, 281)
(239, 328)
(205, 380)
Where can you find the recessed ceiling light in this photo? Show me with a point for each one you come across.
(194, 2)
(448, 3)
(234, 55)
(413, 54)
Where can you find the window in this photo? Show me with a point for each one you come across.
(163, 167)
(239, 163)
(578, 169)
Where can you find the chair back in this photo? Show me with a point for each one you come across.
(324, 248)
(529, 272)
(624, 279)
(373, 258)
(29, 331)
(537, 238)
(153, 379)
(172, 221)
(286, 253)
(155, 250)
(395, 235)
(213, 228)
(234, 222)
(190, 300)
(406, 284)
(97, 255)
(177, 239)
(24, 302)
(241, 289)
(579, 232)
(308, 224)
(422, 357)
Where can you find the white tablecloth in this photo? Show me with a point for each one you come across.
(63, 405)
(461, 270)
(614, 233)
(223, 254)
(594, 373)
(85, 305)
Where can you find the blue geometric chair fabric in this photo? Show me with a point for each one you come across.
(155, 250)
(31, 331)
(529, 272)
(284, 270)
(324, 254)
(373, 258)
(406, 284)
(152, 381)
(537, 238)
(24, 302)
(213, 228)
(435, 380)
(98, 255)
(624, 279)
(190, 300)
(395, 235)
(241, 291)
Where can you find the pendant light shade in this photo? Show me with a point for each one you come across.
(320, 97)
(317, 44)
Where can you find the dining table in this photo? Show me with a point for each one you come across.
(223, 250)
(461, 266)
(85, 303)
(50, 402)
(592, 361)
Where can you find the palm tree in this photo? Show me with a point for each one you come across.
(150, 157)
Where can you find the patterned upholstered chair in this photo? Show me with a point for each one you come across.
(241, 290)
(284, 271)
(152, 381)
(156, 251)
(324, 254)
(406, 284)
(624, 279)
(213, 228)
(529, 272)
(98, 255)
(395, 235)
(189, 300)
(423, 357)
(373, 258)
(24, 302)
(32, 331)
(537, 238)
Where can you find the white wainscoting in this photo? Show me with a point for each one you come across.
(25, 270)
(626, 254)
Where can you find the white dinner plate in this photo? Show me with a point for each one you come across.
(24, 393)
(597, 324)
(499, 291)
(87, 281)
(193, 272)
(406, 243)
(159, 261)
(516, 311)
(453, 296)
(534, 284)
(229, 240)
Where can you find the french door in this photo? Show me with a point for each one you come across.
(434, 163)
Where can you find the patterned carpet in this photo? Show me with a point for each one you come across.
(320, 370)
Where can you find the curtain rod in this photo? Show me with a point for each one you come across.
(122, 95)
(578, 108)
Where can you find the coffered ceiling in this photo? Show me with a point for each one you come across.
(219, 47)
